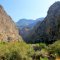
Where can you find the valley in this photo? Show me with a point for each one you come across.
(30, 39)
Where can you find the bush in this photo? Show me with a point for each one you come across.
(15, 51)
(45, 58)
(39, 46)
(42, 45)
(55, 48)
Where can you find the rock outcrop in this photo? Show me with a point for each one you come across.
(8, 29)
(49, 29)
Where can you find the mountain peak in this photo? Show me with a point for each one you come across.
(1, 7)
(2, 11)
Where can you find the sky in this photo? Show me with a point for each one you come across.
(28, 9)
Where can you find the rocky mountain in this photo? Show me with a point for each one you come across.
(25, 26)
(24, 23)
(49, 29)
(8, 29)
(27, 23)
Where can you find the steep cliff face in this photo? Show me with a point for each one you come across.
(8, 29)
(48, 30)
(52, 23)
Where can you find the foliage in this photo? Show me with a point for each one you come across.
(55, 48)
(22, 51)
(43, 58)
(15, 51)
(42, 45)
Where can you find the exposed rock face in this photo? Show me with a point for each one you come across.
(53, 21)
(48, 30)
(8, 30)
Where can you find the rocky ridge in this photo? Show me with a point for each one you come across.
(49, 29)
(8, 29)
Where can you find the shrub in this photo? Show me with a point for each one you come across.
(15, 51)
(55, 48)
(45, 58)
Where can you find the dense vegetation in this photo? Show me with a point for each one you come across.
(15, 51)
(23, 51)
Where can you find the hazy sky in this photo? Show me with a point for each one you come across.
(29, 9)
